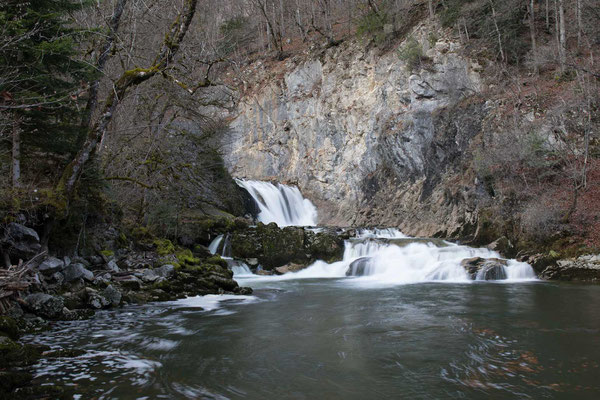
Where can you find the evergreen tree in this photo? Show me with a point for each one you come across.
(42, 81)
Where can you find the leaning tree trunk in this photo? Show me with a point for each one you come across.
(128, 79)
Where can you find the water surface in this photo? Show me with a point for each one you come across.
(339, 339)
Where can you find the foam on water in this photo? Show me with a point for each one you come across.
(389, 257)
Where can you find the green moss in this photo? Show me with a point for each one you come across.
(107, 253)
(164, 247)
(185, 257)
(122, 241)
(9, 327)
(217, 260)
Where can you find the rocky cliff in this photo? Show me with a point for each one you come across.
(367, 138)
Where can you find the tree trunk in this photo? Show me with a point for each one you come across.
(563, 36)
(579, 23)
(16, 153)
(548, 15)
(127, 80)
(430, 4)
(533, 38)
(502, 57)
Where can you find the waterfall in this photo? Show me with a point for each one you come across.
(214, 245)
(281, 204)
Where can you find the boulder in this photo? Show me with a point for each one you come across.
(58, 278)
(20, 241)
(358, 267)
(113, 295)
(491, 271)
(130, 282)
(95, 300)
(112, 266)
(148, 275)
(166, 271)
(484, 268)
(44, 305)
(51, 265)
(291, 267)
(77, 271)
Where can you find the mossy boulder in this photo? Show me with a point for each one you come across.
(274, 247)
(9, 327)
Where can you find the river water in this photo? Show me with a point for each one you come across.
(338, 338)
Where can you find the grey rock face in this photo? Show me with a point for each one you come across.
(44, 305)
(77, 271)
(51, 265)
(367, 140)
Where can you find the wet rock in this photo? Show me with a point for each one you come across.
(22, 242)
(291, 267)
(583, 268)
(95, 300)
(77, 314)
(113, 295)
(358, 267)
(148, 276)
(51, 265)
(243, 290)
(491, 271)
(503, 246)
(252, 262)
(67, 260)
(130, 282)
(484, 268)
(77, 271)
(44, 305)
(263, 272)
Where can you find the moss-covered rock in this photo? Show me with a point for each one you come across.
(9, 327)
(275, 247)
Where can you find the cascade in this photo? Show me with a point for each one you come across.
(214, 245)
(281, 204)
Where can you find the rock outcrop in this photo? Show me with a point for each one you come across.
(366, 139)
(582, 268)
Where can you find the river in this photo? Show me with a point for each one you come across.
(341, 339)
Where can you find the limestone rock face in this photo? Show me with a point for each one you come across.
(582, 268)
(367, 140)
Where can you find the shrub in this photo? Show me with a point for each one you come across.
(371, 26)
(411, 54)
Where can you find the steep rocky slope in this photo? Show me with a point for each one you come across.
(369, 140)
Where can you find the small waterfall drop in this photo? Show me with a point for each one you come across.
(214, 245)
(281, 204)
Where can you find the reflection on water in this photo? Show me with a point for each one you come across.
(323, 338)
